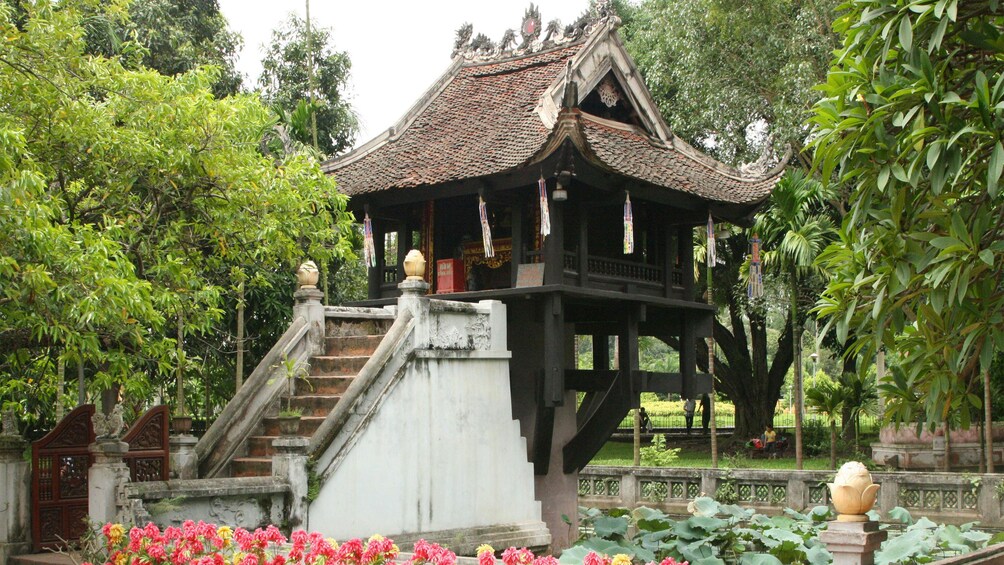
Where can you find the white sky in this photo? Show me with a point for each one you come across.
(398, 48)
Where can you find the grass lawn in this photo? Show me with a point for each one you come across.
(696, 453)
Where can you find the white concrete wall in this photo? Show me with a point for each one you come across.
(441, 452)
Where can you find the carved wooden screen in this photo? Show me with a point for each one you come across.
(59, 463)
(149, 454)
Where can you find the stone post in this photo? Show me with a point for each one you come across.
(184, 461)
(853, 538)
(15, 493)
(105, 477)
(853, 543)
(289, 463)
(413, 291)
(307, 303)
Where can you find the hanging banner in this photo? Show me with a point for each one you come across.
(369, 248)
(486, 230)
(712, 256)
(628, 225)
(754, 289)
(545, 215)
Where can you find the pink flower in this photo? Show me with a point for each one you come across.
(545, 560)
(513, 556)
(593, 558)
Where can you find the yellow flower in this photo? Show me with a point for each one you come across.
(120, 559)
(238, 557)
(621, 559)
(485, 548)
(115, 533)
(333, 542)
(375, 537)
(226, 534)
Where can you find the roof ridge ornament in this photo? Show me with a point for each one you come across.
(482, 49)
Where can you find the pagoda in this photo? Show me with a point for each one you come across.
(539, 172)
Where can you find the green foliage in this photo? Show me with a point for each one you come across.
(657, 454)
(714, 533)
(912, 120)
(129, 199)
(285, 83)
(725, 533)
(169, 36)
(719, 70)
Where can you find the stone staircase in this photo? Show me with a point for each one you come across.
(349, 343)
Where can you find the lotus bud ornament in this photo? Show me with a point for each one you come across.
(307, 275)
(414, 265)
(853, 492)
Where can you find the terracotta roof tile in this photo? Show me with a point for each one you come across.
(634, 154)
(482, 123)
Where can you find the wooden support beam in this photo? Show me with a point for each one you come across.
(554, 245)
(685, 240)
(601, 351)
(628, 350)
(589, 380)
(554, 350)
(598, 424)
(688, 355)
(375, 274)
(517, 239)
(583, 244)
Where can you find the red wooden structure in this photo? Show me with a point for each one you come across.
(149, 454)
(60, 461)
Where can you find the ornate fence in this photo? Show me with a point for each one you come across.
(943, 497)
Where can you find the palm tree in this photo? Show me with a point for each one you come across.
(794, 229)
(827, 398)
(860, 396)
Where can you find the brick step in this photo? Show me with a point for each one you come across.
(308, 425)
(251, 467)
(260, 446)
(357, 327)
(313, 404)
(325, 384)
(345, 365)
(352, 345)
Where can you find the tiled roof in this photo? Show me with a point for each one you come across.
(629, 152)
(483, 122)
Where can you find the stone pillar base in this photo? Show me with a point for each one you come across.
(184, 461)
(15, 497)
(853, 543)
(290, 464)
(104, 477)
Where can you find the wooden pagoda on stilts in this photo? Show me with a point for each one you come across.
(557, 131)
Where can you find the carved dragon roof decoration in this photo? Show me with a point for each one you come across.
(481, 48)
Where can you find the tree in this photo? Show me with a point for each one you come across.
(912, 119)
(826, 397)
(130, 199)
(795, 230)
(286, 84)
(734, 78)
(176, 36)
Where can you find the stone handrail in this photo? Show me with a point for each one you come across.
(951, 498)
(248, 502)
(395, 340)
(248, 407)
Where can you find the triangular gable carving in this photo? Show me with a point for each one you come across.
(604, 56)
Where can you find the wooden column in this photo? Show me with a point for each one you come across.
(376, 273)
(554, 353)
(688, 355)
(628, 353)
(601, 353)
(403, 247)
(685, 243)
(517, 238)
(669, 260)
(583, 245)
(554, 245)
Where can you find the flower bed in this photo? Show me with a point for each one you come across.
(207, 544)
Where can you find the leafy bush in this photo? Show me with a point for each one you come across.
(657, 455)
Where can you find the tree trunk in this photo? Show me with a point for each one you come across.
(833, 443)
(988, 422)
(797, 360)
(637, 438)
(948, 446)
(239, 376)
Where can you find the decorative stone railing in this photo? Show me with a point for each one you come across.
(248, 502)
(951, 498)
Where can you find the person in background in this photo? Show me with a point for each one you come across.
(646, 422)
(688, 413)
(705, 411)
(770, 441)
